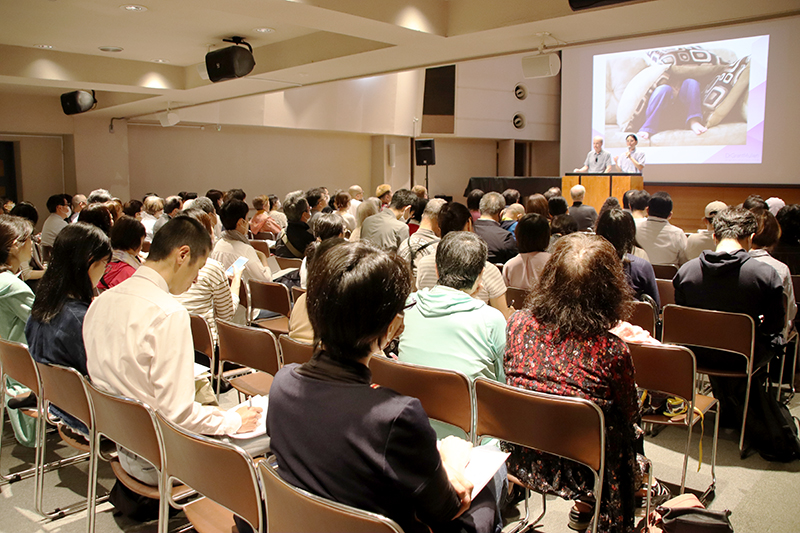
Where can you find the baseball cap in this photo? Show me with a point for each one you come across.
(714, 207)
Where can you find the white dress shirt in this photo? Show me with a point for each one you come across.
(51, 228)
(227, 251)
(139, 344)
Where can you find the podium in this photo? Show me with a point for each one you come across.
(600, 186)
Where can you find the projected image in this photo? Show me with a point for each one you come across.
(696, 103)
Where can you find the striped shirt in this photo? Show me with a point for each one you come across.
(210, 296)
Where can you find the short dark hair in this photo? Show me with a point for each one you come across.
(563, 225)
(12, 229)
(474, 199)
(626, 198)
(418, 208)
(341, 199)
(294, 205)
(610, 203)
(55, 201)
(460, 258)
(734, 223)
(354, 293)
(97, 215)
(511, 196)
(582, 290)
(533, 233)
(313, 196)
(453, 217)
(234, 194)
(272, 201)
(660, 205)
(557, 205)
(127, 233)
(635, 138)
(789, 219)
(768, 231)
(755, 201)
(639, 199)
(232, 212)
(172, 203)
(75, 249)
(98, 196)
(26, 210)
(215, 196)
(618, 228)
(327, 225)
(402, 198)
(201, 216)
(537, 203)
(551, 192)
(180, 231)
(132, 207)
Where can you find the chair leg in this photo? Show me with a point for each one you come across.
(524, 524)
(711, 488)
(690, 418)
(744, 417)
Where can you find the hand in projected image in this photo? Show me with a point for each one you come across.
(696, 127)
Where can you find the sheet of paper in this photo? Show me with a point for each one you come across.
(484, 462)
(261, 428)
(201, 371)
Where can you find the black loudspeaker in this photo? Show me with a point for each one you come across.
(77, 102)
(579, 5)
(425, 152)
(229, 63)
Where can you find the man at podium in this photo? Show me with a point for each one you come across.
(597, 160)
(631, 161)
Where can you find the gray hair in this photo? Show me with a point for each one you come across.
(294, 205)
(734, 223)
(204, 203)
(577, 193)
(98, 196)
(433, 208)
(460, 258)
(492, 203)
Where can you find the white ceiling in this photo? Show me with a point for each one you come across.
(314, 40)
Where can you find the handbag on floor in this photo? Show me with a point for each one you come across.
(685, 514)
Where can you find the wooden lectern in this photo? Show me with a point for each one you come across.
(600, 186)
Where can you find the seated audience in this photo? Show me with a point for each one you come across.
(127, 238)
(754, 201)
(664, 243)
(234, 243)
(420, 191)
(369, 207)
(639, 200)
(98, 196)
(336, 435)
(775, 204)
(388, 229)
(293, 240)
(610, 203)
(383, 193)
(417, 208)
(78, 204)
(326, 226)
(787, 250)
(54, 329)
(446, 327)
(617, 227)
(356, 197)
(766, 237)
(474, 203)
(510, 217)
(155, 365)
(16, 299)
(584, 215)
(58, 206)
(423, 241)
(511, 196)
(114, 207)
(153, 207)
(133, 208)
(537, 203)
(533, 238)
(551, 193)
(97, 215)
(560, 226)
(172, 206)
(317, 199)
(502, 246)
(696, 243)
(557, 205)
(275, 211)
(32, 270)
(560, 344)
(342, 202)
(492, 290)
(262, 221)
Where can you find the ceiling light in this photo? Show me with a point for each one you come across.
(43, 46)
(110, 49)
(133, 8)
(264, 30)
(160, 60)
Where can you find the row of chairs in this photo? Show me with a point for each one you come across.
(228, 479)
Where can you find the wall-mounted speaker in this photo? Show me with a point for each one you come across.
(392, 154)
(168, 118)
(541, 66)
(425, 152)
(229, 63)
(77, 102)
(518, 120)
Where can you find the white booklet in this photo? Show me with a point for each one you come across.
(261, 428)
(484, 462)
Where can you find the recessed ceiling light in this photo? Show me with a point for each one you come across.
(133, 8)
(43, 46)
(110, 49)
(160, 60)
(264, 30)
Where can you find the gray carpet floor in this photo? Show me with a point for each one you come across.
(762, 496)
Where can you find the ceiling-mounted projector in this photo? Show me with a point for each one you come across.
(77, 102)
(232, 62)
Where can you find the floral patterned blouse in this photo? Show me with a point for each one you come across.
(599, 369)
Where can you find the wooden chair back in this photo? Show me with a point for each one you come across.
(293, 351)
(289, 262)
(256, 348)
(666, 291)
(644, 316)
(270, 296)
(63, 387)
(201, 336)
(665, 271)
(515, 297)
(261, 245)
(16, 362)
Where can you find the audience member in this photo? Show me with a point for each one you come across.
(78, 204)
(371, 206)
(54, 329)
(626, 200)
(537, 203)
(114, 207)
(342, 201)
(560, 226)
(420, 191)
(211, 296)
(234, 194)
(293, 240)
(500, 242)
(98, 196)
(787, 250)
(155, 366)
(560, 344)
(417, 208)
(556, 206)
(216, 197)
(511, 196)
(234, 243)
(8, 205)
(127, 238)
(332, 439)
(153, 208)
(618, 228)
(98, 215)
(639, 201)
(317, 200)
(275, 211)
(16, 299)
(610, 203)
(664, 243)
(356, 197)
(262, 221)
(386, 230)
(474, 203)
(172, 206)
(775, 204)
(58, 206)
(133, 208)
(704, 238)
(384, 193)
(510, 217)
(423, 241)
(754, 201)
(552, 192)
(32, 270)
(584, 215)
(533, 238)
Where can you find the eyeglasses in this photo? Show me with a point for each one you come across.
(406, 307)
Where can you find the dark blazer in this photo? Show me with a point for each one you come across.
(584, 215)
(501, 243)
